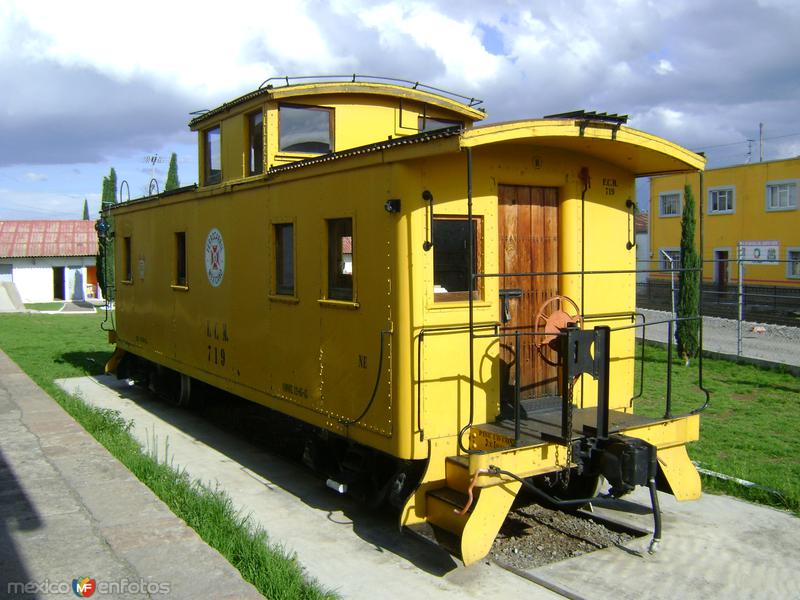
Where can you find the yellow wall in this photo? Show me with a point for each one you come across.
(750, 220)
(303, 355)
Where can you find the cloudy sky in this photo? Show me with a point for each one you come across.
(91, 85)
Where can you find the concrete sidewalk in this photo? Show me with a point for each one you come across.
(68, 509)
(717, 547)
(775, 345)
(357, 552)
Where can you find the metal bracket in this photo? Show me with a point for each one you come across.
(632, 210)
(506, 294)
(428, 243)
(577, 359)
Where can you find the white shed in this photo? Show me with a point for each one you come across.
(49, 260)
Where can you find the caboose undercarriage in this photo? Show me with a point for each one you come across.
(465, 497)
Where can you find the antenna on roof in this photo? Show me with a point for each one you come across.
(153, 160)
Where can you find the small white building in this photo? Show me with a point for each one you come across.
(49, 260)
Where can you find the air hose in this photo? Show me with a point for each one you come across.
(651, 484)
(374, 390)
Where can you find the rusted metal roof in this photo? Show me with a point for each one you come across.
(418, 138)
(640, 222)
(28, 239)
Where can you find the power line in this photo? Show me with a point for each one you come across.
(775, 137)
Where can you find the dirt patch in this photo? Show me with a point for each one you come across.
(533, 536)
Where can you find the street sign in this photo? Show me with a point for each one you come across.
(762, 252)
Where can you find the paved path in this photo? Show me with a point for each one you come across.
(358, 552)
(778, 344)
(69, 509)
(717, 547)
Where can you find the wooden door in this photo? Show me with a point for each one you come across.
(528, 236)
(722, 270)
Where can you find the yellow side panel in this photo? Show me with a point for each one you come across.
(683, 479)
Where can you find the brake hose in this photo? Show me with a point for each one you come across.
(651, 484)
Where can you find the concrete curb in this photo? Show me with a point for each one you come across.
(742, 360)
(69, 509)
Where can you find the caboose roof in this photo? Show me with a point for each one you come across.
(640, 153)
(393, 88)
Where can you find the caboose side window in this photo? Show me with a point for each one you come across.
(127, 271)
(451, 257)
(305, 129)
(428, 124)
(340, 259)
(255, 129)
(284, 259)
(212, 151)
(180, 258)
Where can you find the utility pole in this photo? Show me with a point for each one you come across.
(760, 142)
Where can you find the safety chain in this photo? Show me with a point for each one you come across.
(564, 475)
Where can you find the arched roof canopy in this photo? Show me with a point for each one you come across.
(640, 153)
(327, 88)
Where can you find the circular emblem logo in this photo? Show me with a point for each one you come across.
(215, 257)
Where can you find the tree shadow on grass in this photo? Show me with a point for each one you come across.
(90, 363)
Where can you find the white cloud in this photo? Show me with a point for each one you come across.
(456, 43)
(664, 67)
(186, 46)
(30, 176)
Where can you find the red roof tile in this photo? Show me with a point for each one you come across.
(20, 239)
(640, 222)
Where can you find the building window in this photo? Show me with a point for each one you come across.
(127, 270)
(255, 135)
(284, 259)
(340, 259)
(428, 124)
(305, 129)
(793, 266)
(720, 200)
(212, 151)
(782, 195)
(180, 258)
(669, 204)
(673, 255)
(451, 257)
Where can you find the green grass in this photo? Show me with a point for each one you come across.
(45, 306)
(749, 431)
(49, 347)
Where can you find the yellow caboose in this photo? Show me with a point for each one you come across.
(447, 308)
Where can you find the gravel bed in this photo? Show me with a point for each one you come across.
(533, 536)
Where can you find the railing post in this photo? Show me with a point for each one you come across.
(602, 356)
(740, 317)
(668, 411)
(566, 381)
(517, 371)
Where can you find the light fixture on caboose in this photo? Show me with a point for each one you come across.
(392, 205)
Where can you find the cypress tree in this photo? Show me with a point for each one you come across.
(112, 186)
(85, 209)
(172, 174)
(688, 332)
(105, 246)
